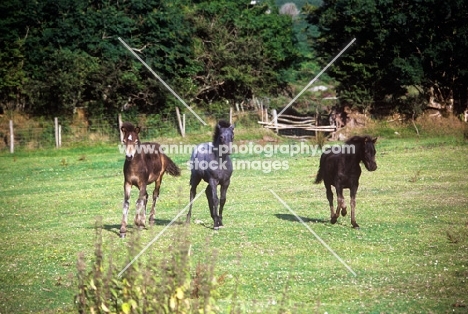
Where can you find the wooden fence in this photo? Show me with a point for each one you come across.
(48, 134)
(55, 133)
(290, 122)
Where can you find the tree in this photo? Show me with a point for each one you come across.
(63, 91)
(57, 55)
(61, 54)
(244, 50)
(399, 44)
(14, 31)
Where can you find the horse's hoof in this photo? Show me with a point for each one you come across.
(216, 228)
(122, 235)
(333, 220)
(140, 224)
(356, 226)
(343, 212)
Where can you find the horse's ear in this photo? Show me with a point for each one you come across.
(232, 127)
(137, 129)
(123, 129)
(374, 140)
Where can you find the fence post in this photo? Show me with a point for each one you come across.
(183, 122)
(12, 138)
(230, 115)
(56, 132)
(120, 128)
(261, 109)
(60, 135)
(275, 119)
(181, 127)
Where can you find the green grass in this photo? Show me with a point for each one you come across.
(410, 255)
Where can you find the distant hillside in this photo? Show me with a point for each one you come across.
(299, 3)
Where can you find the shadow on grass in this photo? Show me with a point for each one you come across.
(290, 217)
(163, 222)
(201, 223)
(115, 228)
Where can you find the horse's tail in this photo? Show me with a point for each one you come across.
(319, 176)
(171, 167)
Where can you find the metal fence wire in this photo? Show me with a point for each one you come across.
(80, 130)
(30, 134)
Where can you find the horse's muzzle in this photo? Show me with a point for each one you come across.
(225, 149)
(130, 152)
(371, 166)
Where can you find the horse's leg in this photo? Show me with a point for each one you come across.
(209, 197)
(194, 181)
(157, 185)
(330, 202)
(123, 226)
(193, 192)
(343, 208)
(222, 201)
(353, 192)
(341, 202)
(211, 193)
(140, 215)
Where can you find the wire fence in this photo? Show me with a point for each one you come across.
(30, 135)
(19, 133)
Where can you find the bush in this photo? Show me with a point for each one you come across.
(167, 286)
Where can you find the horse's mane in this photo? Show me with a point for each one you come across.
(221, 124)
(358, 139)
(128, 126)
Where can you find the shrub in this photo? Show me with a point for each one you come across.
(167, 286)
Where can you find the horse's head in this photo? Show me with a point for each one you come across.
(130, 139)
(223, 137)
(368, 157)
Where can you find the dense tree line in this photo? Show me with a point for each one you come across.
(56, 55)
(61, 54)
(400, 44)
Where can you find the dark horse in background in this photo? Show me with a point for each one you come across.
(211, 162)
(145, 163)
(342, 170)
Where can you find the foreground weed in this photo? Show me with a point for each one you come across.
(165, 286)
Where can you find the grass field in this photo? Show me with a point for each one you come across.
(410, 255)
